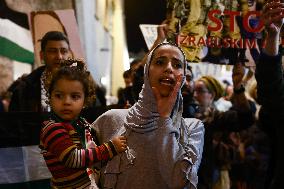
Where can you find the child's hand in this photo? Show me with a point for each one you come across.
(119, 143)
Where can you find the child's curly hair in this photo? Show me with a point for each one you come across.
(75, 69)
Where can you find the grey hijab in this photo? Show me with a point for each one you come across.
(143, 115)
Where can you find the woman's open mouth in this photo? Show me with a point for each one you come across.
(167, 81)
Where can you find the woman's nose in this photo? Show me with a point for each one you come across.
(169, 67)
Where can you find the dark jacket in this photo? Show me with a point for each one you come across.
(1, 105)
(218, 125)
(27, 93)
(270, 91)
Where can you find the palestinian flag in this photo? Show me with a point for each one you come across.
(15, 36)
(21, 164)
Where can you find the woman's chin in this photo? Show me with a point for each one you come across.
(165, 93)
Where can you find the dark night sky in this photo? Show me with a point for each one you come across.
(141, 12)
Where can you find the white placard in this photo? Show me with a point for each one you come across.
(149, 32)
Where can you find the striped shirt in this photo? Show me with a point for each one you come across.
(64, 152)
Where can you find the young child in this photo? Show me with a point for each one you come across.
(66, 138)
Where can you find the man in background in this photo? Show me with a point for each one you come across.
(31, 93)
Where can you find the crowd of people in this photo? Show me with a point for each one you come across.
(166, 131)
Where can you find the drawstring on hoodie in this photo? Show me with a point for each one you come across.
(129, 155)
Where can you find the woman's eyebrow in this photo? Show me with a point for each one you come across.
(163, 56)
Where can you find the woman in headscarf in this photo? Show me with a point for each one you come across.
(164, 149)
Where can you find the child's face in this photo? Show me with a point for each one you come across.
(67, 99)
(167, 64)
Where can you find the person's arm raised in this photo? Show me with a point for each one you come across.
(162, 31)
(239, 99)
(273, 14)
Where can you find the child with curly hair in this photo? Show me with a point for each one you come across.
(66, 139)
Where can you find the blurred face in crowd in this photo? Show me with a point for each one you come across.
(166, 65)
(188, 87)
(202, 95)
(229, 90)
(128, 81)
(134, 67)
(54, 53)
